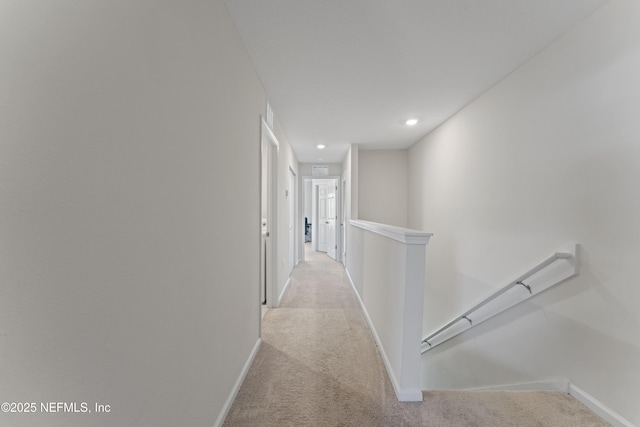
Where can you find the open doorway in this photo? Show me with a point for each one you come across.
(321, 215)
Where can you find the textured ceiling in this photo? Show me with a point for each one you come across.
(351, 71)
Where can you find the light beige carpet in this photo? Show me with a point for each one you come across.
(318, 366)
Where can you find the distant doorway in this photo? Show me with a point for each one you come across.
(327, 218)
(321, 209)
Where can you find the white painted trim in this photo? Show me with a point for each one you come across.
(546, 385)
(567, 386)
(236, 387)
(404, 235)
(598, 407)
(270, 133)
(403, 395)
(292, 201)
(286, 285)
(272, 184)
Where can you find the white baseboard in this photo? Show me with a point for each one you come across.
(403, 395)
(286, 285)
(567, 386)
(598, 407)
(546, 385)
(236, 387)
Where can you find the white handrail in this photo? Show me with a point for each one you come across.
(403, 235)
(570, 255)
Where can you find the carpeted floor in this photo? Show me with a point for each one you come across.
(318, 366)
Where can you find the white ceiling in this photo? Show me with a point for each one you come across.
(351, 71)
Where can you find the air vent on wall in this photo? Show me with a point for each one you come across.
(320, 170)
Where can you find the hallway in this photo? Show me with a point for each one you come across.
(300, 375)
(318, 366)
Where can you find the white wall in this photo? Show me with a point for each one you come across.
(383, 186)
(129, 207)
(548, 156)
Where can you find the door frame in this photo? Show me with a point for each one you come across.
(292, 199)
(343, 221)
(271, 264)
(301, 200)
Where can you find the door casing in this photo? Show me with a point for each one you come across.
(338, 230)
(268, 139)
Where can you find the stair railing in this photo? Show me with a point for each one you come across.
(517, 291)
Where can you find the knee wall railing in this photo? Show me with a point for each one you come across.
(386, 267)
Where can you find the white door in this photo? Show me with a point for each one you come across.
(321, 234)
(331, 221)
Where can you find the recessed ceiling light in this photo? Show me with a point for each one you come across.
(411, 122)
(320, 146)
